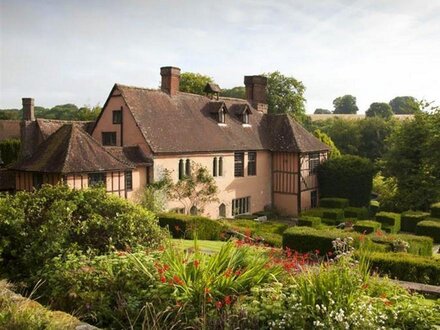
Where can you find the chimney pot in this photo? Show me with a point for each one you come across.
(170, 79)
(256, 93)
(28, 108)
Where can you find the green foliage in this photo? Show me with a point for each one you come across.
(155, 195)
(435, 210)
(309, 221)
(429, 228)
(347, 177)
(390, 221)
(320, 111)
(410, 219)
(40, 225)
(334, 151)
(406, 267)
(345, 105)
(285, 95)
(366, 226)
(378, 109)
(373, 208)
(238, 92)
(405, 105)
(9, 150)
(356, 212)
(333, 216)
(194, 82)
(316, 212)
(418, 245)
(386, 190)
(334, 202)
(187, 226)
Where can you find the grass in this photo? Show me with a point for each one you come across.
(184, 244)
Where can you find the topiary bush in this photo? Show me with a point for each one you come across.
(429, 228)
(360, 213)
(334, 202)
(366, 226)
(333, 216)
(309, 221)
(373, 208)
(348, 177)
(418, 245)
(390, 221)
(410, 219)
(435, 210)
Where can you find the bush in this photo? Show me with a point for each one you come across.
(348, 177)
(37, 226)
(188, 226)
(333, 216)
(429, 228)
(309, 221)
(406, 267)
(9, 150)
(366, 226)
(316, 212)
(333, 203)
(435, 210)
(390, 221)
(418, 245)
(373, 208)
(410, 219)
(360, 213)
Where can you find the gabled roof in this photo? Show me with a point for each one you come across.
(216, 106)
(131, 155)
(240, 109)
(70, 150)
(212, 88)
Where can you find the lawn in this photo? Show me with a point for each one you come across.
(211, 246)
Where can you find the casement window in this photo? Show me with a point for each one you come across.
(252, 163)
(239, 164)
(96, 179)
(181, 169)
(214, 167)
(221, 116)
(37, 180)
(117, 117)
(128, 180)
(246, 118)
(240, 206)
(188, 167)
(108, 138)
(314, 198)
(217, 166)
(313, 162)
(220, 166)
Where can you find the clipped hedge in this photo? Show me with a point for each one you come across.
(188, 226)
(429, 228)
(410, 219)
(373, 208)
(334, 214)
(366, 226)
(309, 221)
(418, 245)
(435, 210)
(334, 202)
(390, 221)
(360, 213)
(406, 267)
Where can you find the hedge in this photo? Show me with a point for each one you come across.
(9, 150)
(366, 226)
(348, 177)
(429, 228)
(334, 214)
(435, 210)
(360, 213)
(406, 267)
(373, 208)
(334, 202)
(410, 219)
(418, 245)
(309, 221)
(390, 221)
(187, 226)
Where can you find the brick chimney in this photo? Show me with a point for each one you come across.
(170, 79)
(256, 92)
(28, 108)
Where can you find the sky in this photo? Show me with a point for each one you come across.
(73, 51)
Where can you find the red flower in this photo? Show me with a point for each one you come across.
(228, 272)
(228, 300)
(163, 279)
(218, 304)
(177, 280)
(196, 263)
(237, 272)
(329, 253)
(207, 290)
(317, 251)
(379, 232)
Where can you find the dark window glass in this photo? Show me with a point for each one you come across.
(314, 198)
(313, 162)
(239, 164)
(240, 206)
(193, 210)
(117, 116)
(220, 166)
(128, 180)
(222, 210)
(245, 118)
(214, 166)
(96, 179)
(252, 163)
(221, 116)
(109, 138)
(181, 169)
(37, 180)
(188, 167)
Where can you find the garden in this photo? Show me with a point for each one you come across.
(116, 265)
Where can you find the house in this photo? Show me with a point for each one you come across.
(258, 159)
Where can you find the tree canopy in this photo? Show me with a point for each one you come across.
(195, 83)
(62, 112)
(334, 151)
(379, 109)
(320, 111)
(238, 92)
(345, 105)
(405, 105)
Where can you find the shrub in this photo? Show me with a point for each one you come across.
(9, 150)
(410, 219)
(429, 228)
(333, 216)
(390, 221)
(406, 267)
(348, 177)
(360, 213)
(366, 226)
(309, 221)
(373, 208)
(188, 226)
(316, 212)
(333, 203)
(435, 210)
(418, 245)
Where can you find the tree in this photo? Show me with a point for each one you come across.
(238, 92)
(373, 134)
(285, 95)
(194, 82)
(379, 109)
(320, 111)
(334, 151)
(345, 105)
(405, 105)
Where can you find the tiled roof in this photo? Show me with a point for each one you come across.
(70, 150)
(132, 155)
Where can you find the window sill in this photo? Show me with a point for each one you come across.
(222, 124)
(246, 125)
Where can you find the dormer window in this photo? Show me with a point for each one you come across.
(218, 109)
(242, 111)
(245, 118)
(221, 116)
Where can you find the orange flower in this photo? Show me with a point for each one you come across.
(228, 300)
(218, 304)
(207, 290)
(196, 263)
